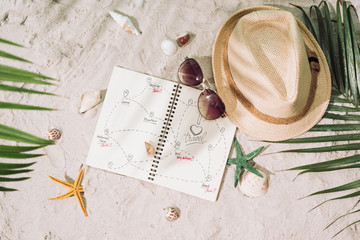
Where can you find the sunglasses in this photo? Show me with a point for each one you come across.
(209, 103)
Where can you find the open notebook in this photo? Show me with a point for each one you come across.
(191, 152)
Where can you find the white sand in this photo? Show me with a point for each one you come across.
(78, 43)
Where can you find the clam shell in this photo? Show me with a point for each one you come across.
(54, 134)
(252, 185)
(183, 38)
(89, 100)
(150, 149)
(170, 214)
(168, 47)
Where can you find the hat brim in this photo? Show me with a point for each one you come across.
(244, 119)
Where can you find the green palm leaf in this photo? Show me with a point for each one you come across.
(342, 50)
(336, 108)
(4, 189)
(13, 134)
(329, 169)
(335, 67)
(345, 147)
(355, 47)
(10, 43)
(11, 171)
(5, 179)
(11, 77)
(342, 217)
(346, 83)
(345, 228)
(350, 56)
(19, 155)
(331, 163)
(21, 72)
(329, 138)
(12, 74)
(8, 105)
(335, 127)
(342, 117)
(348, 186)
(15, 165)
(22, 90)
(13, 57)
(6, 148)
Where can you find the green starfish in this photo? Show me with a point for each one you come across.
(241, 162)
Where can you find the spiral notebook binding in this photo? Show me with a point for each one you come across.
(165, 130)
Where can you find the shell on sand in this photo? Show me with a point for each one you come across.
(125, 22)
(168, 47)
(90, 100)
(170, 214)
(252, 185)
(54, 134)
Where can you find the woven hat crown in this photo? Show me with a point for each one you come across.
(269, 63)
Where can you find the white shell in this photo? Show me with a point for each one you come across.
(125, 22)
(252, 185)
(170, 214)
(168, 47)
(89, 100)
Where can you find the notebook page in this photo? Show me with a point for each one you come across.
(133, 112)
(196, 150)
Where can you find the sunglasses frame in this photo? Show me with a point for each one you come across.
(205, 84)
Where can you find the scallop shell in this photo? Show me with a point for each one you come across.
(54, 134)
(150, 149)
(183, 38)
(168, 47)
(171, 214)
(252, 185)
(89, 100)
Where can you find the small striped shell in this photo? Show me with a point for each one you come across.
(170, 214)
(252, 185)
(54, 134)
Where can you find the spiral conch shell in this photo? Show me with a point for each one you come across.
(125, 22)
(252, 185)
(89, 100)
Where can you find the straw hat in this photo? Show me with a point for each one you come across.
(270, 73)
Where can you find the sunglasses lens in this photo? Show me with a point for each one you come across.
(210, 105)
(190, 73)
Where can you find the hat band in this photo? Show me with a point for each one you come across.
(314, 66)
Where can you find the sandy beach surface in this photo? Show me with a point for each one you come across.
(78, 43)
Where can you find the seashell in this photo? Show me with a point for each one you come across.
(252, 185)
(125, 22)
(150, 149)
(183, 38)
(168, 47)
(54, 134)
(171, 214)
(89, 100)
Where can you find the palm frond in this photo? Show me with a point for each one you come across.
(12, 74)
(7, 105)
(345, 98)
(22, 90)
(13, 57)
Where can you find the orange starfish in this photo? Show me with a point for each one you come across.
(75, 189)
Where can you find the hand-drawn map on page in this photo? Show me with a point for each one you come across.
(191, 151)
